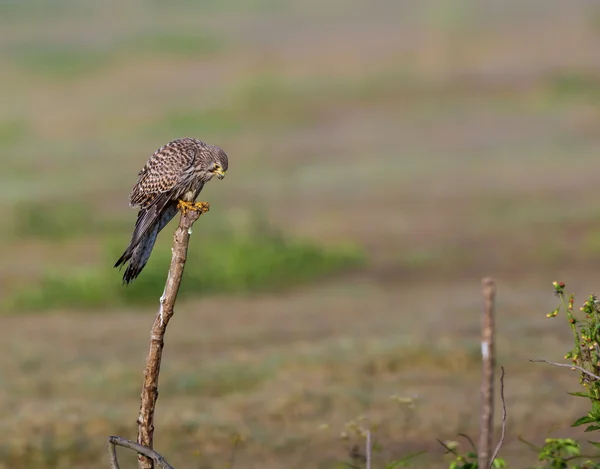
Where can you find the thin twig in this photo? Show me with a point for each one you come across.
(448, 449)
(488, 359)
(501, 442)
(369, 449)
(533, 447)
(117, 440)
(468, 438)
(566, 365)
(233, 451)
(149, 394)
(112, 453)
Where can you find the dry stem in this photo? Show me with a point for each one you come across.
(117, 440)
(369, 450)
(167, 302)
(501, 442)
(488, 357)
(566, 365)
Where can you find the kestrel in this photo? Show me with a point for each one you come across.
(171, 180)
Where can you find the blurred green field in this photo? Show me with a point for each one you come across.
(384, 156)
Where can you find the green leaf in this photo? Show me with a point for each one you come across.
(595, 413)
(597, 445)
(583, 421)
(592, 428)
(579, 394)
(573, 450)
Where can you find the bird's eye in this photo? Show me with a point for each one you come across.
(216, 166)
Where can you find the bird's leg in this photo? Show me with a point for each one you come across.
(201, 207)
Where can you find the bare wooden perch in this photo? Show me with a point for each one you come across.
(145, 438)
(485, 457)
(159, 327)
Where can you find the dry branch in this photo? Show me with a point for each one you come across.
(149, 394)
(566, 365)
(488, 357)
(113, 441)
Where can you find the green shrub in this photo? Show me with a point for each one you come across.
(260, 260)
(565, 453)
(59, 60)
(171, 44)
(59, 220)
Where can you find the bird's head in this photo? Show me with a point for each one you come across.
(214, 162)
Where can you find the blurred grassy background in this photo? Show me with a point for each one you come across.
(384, 157)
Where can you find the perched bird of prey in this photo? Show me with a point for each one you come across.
(171, 180)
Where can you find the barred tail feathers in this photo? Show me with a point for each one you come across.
(142, 242)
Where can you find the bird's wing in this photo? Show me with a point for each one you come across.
(157, 185)
(148, 217)
(163, 171)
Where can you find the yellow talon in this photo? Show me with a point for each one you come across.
(183, 206)
(201, 207)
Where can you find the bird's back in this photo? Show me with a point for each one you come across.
(164, 170)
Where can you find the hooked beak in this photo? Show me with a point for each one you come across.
(220, 173)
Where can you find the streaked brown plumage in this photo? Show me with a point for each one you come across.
(175, 172)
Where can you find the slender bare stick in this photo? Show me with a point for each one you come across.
(369, 450)
(488, 356)
(501, 442)
(117, 440)
(149, 395)
(468, 438)
(566, 365)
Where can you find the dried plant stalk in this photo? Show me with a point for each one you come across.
(114, 441)
(488, 356)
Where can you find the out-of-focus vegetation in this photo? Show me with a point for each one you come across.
(257, 260)
(414, 145)
(228, 258)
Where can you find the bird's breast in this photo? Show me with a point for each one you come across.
(192, 190)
